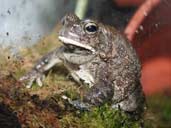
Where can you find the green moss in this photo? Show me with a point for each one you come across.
(102, 117)
(159, 111)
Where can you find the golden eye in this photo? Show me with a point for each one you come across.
(91, 28)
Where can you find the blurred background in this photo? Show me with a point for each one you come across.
(146, 23)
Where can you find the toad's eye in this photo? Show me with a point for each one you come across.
(91, 28)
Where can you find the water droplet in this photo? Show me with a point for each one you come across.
(157, 25)
(7, 33)
(141, 28)
(145, 13)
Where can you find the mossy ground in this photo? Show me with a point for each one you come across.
(43, 107)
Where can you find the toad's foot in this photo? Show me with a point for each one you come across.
(33, 76)
(78, 104)
(99, 94)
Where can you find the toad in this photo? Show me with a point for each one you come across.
(99, 57)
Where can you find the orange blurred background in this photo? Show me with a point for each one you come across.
(152, 40)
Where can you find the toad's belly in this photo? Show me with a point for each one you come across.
(82, 76)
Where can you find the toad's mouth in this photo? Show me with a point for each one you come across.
(75, 46)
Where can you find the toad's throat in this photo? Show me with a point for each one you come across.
(68, 41)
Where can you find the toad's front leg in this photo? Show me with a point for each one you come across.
(43, 65)
(99, 94)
